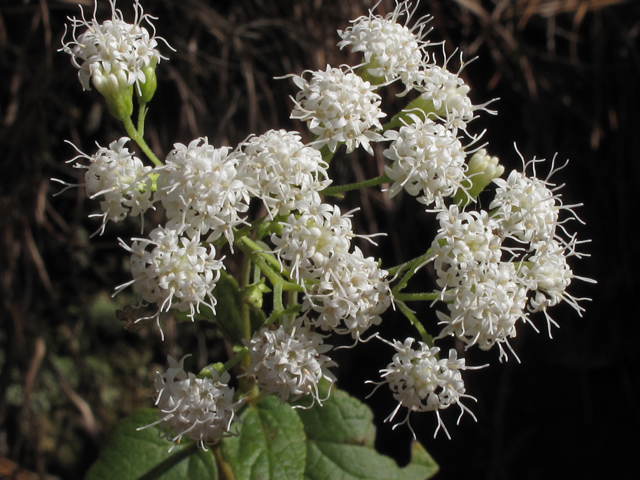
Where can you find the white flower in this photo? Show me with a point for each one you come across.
(203, 190)
(548, 275)
(428, 161)
(178, 272)
(448, 96)
(390, 50)
(121, 178)
(289, 361)
(464, 241)
(288, 173)
(529, 209)
(421, 383)
(485, 306)
(339, 107)
(352, 293)
(308, 241)
(199, 408)
(114, 51)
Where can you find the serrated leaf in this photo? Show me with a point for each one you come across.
(340, 437)
(132, 454)
(271, 444)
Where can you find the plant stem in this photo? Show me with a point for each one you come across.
(137, 137)
(426, 338)
(417, 297)
(411, 267)
(237, 358)
(252, 249)
(356, 186)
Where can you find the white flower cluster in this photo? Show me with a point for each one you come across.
(339, 107)
(199, 408)
(391, 50)
(178, 272)
(203, 189)
(493, 268)
(486, 296)
(121, 178)
(289, 360)
(428, 161)
(448, 95)
(347, 291)
(113, 52)
(422, 382)
(352, 293)
(288, 174)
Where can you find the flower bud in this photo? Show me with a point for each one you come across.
(118, 95)
(147, 89)
(482, 170)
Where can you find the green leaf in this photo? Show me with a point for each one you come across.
(271, 444)
(133, 454)
(340, 437)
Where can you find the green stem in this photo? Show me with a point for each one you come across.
(233, 361)
(417, 297)
(249, 248)
(134, 134)
(278, 306)
(426, 338)
(142, 114)
(336, 190)
(412, 267)
(278, 314)
(245, 312)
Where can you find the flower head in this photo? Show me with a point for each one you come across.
(421, 383)
(464, 241)
(288, 360)
(120, 178)
(113, 52)
(428, 161)
(485, 306)
(339, 107)
(307, 242)
(287, 173)
(352, 293)
(203, 189)
(199, 408)
(176, 272)
(528, 206)
(391, 50)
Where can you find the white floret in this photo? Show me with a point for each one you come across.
(289, 361)
(113, 51)
(199, 408)
(428, 161)
(339, 107)
(391, 50)
(288, 174)
(204, 190)
(422, 383)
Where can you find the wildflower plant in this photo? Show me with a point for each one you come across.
(271, 202)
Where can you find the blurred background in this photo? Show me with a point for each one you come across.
(567, 75)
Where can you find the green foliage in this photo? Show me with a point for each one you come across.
(275, 441)
(141, 454)
(270, 445)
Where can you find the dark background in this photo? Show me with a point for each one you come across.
(567, 74)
